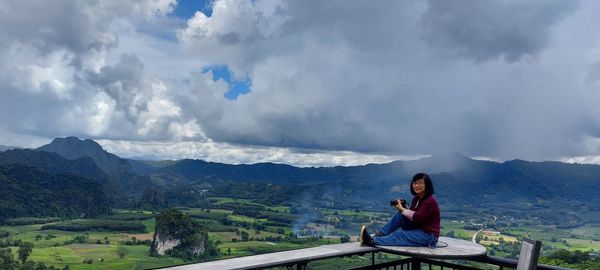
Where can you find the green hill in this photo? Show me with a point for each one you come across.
(28, 191)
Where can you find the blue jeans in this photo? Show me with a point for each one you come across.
(410, 235)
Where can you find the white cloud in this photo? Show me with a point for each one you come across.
(51, 74)
(100, 120)
(59, 78)
(501, 80)
(582, 160)
(236, 154)
(235, 33)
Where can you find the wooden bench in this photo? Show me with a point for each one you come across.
(455, 249)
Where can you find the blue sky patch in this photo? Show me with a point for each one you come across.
(236, 87)
(185, 9)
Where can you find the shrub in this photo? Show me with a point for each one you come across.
(121, 251)
(128, 216)
(97, 225)
(28, 221)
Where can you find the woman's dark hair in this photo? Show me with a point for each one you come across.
(428, 184)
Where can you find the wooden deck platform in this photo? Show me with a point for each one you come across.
(456, 249)
(282, 258)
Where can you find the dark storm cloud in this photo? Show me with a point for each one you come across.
(382, 77)
(484, 30)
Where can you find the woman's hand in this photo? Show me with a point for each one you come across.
(399, 206)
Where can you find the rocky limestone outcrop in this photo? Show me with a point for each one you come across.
(163, 243)
(178, 233)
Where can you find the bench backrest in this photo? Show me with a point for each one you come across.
(530, 252)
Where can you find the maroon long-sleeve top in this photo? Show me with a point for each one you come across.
(426, 214)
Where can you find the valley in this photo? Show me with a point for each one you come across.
(78, 206)
(234, 231)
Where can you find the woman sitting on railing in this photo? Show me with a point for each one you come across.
(418, 226)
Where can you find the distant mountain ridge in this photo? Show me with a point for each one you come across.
(461, 182)
(55, 164)
(73, 148)
(195, 170)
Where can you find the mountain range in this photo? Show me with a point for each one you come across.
(462, 184)
(55, 164)
(5, 147)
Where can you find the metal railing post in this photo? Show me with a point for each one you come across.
(415, 264)
(372, 258)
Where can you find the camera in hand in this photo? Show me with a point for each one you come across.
(395, 202)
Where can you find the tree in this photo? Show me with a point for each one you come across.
(25, 249)
(345, 239)
(56, 256)
(29, 265)
(245, 236)
(6, 259)
(478, 238)
(576, 256)
(42, 266)
(121, 251)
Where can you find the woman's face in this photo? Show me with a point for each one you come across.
(419, 187)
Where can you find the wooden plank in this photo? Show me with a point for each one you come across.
(458, 249)
(281, 258)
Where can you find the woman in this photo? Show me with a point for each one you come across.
(418, 226)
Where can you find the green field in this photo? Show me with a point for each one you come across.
(353, 213)
(587, 232)
(78, 248)
(246, 219)
(103, 257)
(580, 244)
(458, 229)
(274, 208)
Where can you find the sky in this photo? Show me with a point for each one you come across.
(307, 83)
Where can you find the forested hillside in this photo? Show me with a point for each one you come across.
(55, 164)
(28, 191)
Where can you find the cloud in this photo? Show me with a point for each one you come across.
(235, 33)
(487, 30)
(500, 79)
(330, 76)
(57, 79)
(241, 154)
(67, 25)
